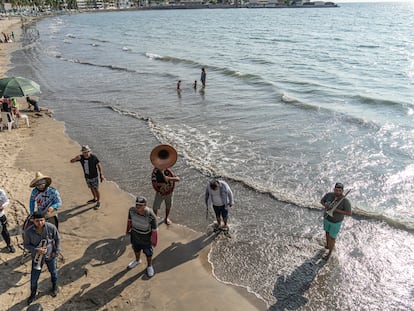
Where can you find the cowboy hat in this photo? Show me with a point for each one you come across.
(40, 176)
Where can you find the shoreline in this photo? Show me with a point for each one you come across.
(94, 274)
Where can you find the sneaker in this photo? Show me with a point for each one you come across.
(11, 248)
(150, 271)
(31, 298)
(91, 201)
(97, 206)
(133, 264)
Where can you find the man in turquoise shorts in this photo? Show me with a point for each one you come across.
(332, 224)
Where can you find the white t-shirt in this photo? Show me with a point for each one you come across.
(4, 201)
(216, 197)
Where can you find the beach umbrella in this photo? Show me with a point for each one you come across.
(18, 87)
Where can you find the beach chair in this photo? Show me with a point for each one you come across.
(25, 118)
(7, 118)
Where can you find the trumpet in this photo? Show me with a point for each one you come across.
(39, 257)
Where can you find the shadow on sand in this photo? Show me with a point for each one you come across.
(74, 211)
(100, 295)
(172, 256)
(289, 291)
(99, 253)
(178, 253)
(9, 273)
(104, 252)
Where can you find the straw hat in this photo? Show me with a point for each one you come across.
(40, 176)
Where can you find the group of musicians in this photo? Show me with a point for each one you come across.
(42, 239)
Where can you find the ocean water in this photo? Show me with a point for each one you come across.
(296, 99)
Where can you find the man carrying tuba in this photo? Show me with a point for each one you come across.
(163, 178)
(43, 241)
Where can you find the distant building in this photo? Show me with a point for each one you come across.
(186, 2)
(82, 4)
(267, 3)
(125, 4)
(286, 3)
(88, 4)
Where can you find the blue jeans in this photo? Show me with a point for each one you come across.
(34, 277)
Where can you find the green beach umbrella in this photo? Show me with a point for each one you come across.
(18, 87)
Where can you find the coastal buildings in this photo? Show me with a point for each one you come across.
(288, 3)
(9, 6)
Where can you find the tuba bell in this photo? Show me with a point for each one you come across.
(163, 156)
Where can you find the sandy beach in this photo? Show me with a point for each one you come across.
(95, 249)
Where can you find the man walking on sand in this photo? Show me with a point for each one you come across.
(332, 224)
(143, 228)
(91, 166)
(43, 241)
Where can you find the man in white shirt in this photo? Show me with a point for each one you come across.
(220, 197)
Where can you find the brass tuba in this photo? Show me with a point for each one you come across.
(163, 156)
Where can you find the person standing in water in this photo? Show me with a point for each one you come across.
(332, 224)
(163, 182)
(203, 76)
(219, 196)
